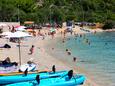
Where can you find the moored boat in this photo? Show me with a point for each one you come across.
(67, 80)
(28, 77)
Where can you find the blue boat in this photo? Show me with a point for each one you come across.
(29, 77)
(66, 80)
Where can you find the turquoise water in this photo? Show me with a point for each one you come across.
(97, 59)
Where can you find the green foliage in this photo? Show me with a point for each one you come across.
(108, 25)
(43, 11)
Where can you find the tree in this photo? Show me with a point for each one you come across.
(108, 25)
(62, 10)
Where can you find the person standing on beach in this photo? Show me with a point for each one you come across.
(31, 50)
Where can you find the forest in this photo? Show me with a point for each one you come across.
(43, 11)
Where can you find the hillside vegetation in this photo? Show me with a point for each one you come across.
(42, 11)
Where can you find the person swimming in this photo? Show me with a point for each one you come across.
(69, 53)
(74, 59)
(66, 50)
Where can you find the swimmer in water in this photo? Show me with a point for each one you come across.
(66, 49)
(69, 53)
(74, 59)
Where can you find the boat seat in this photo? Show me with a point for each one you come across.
(38, 79)
(70, 74)
(53, 69)
(26, 72)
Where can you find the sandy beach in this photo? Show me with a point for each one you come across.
(43, 59)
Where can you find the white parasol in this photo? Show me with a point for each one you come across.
(20, 28)
(18, 35)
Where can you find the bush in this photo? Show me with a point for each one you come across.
(108, 25)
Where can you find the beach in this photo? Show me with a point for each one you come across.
(41, 55)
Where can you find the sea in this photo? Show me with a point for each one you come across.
(95, 54)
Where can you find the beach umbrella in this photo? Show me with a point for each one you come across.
(20, 28)
(18, 35)
(17, 26)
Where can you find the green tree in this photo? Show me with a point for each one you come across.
(42, 11)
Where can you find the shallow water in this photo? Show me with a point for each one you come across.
(97, 59)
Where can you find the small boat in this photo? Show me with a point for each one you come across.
(67, 80)
(28, 77)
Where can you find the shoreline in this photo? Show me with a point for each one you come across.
(41, 57)
(76, 69)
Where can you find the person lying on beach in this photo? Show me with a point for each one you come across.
(5, 46)
(7, 62)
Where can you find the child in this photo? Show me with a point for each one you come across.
(32, 49)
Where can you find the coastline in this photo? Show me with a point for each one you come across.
(76, 69)
(42, 56)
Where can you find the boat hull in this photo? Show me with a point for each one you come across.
(77, 80)
(22, 78)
